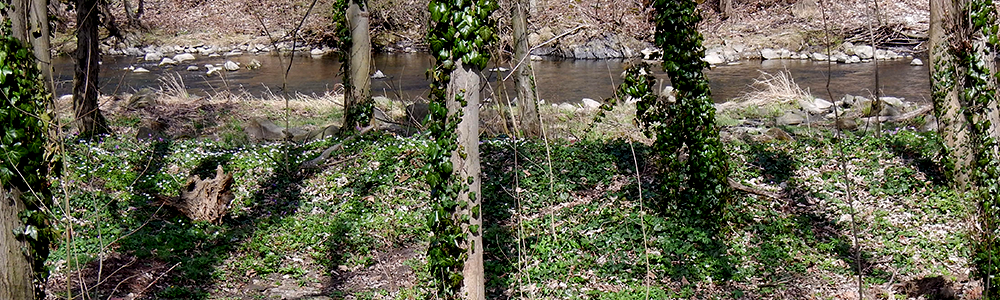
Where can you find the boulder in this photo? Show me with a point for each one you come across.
(183, 57)
(231, 66)
(140, 70)
(819, 56)
(192, 68)
(535, 58)
(316, 52)
(378, 75)
(768, 54)
(916, 62)
(253, 65)
(261, 129)
(809, 106)
(153, 56)
(930, 124)
(790, 118)
(864, 51)
(893, 101)
(167, 61)
(714, 59)
(822, 104)
(567, 107)
(588, 103)
(854, 59)
(847, 124)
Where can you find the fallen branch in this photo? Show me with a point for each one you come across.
(749, 190)
(315, 162)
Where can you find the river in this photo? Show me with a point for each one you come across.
(557, 80)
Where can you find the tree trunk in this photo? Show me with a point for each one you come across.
(39, 19)
(726, 8)
(358, 98)
(945, 90)
(85, 91)
(16, 273)
(527, 96)
(18, 14)
(465, 83)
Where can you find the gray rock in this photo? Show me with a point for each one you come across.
(854, 59)
(140, 70)
(567, 107)
(864, 51)
(212, 70)
(167, 61)
(133, 51)
(192, 68)
(895, 102)
(768, 54)
(231, 66)
(536, 58)
(847, 124)
(810, 107)
(378, 75)
(181, 58)
(317, 52)
(153, 56)
(790, 118)
(822, 104)
(714, 59)
(784, 53)
(819, 56)
(234, 53)
(590, 103)
(890, 111)
(916, 62)
(253, 64)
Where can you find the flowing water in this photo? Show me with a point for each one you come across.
(557, 80)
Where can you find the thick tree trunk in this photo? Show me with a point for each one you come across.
(17, 12)
(16, 273)
(946, 88)
(39, 19)
(88, 115)
(527, 97)
(465, 83)
(358, 98)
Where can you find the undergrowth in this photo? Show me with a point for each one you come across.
(582, 237)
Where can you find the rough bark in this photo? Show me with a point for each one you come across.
(465, 83)
(526, 93)
(17, 12)
(358, 99)
(16, 273)
(952, 125)
(726, 8)
(39, 19)
(88, 115)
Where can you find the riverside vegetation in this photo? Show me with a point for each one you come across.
(562, 222)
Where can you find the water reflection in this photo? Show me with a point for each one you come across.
(558, 80)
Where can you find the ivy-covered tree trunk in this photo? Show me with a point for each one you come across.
(946, 86)
(358, 99)
(15, 275)
(701, 182)
(29, 24)
(964, 43)
(89, 119)
(527, 96)
(463, 100)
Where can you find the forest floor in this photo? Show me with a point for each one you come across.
(564, 219)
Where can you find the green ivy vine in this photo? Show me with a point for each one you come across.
(24, 161)
(699, 184)
(460, 31)
(979, 90)
(360, 112)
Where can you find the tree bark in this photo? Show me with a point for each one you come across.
(357, 102)
(946, 87)
(40, 32)
(465, 83)
(527, 96)
(17, 12)
(85, 91)
(16, 273)
(726, 8)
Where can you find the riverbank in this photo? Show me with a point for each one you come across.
(563, 218)
(590, 29)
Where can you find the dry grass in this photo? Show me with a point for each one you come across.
(768, 89)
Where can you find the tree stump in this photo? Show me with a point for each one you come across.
(206, 199)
